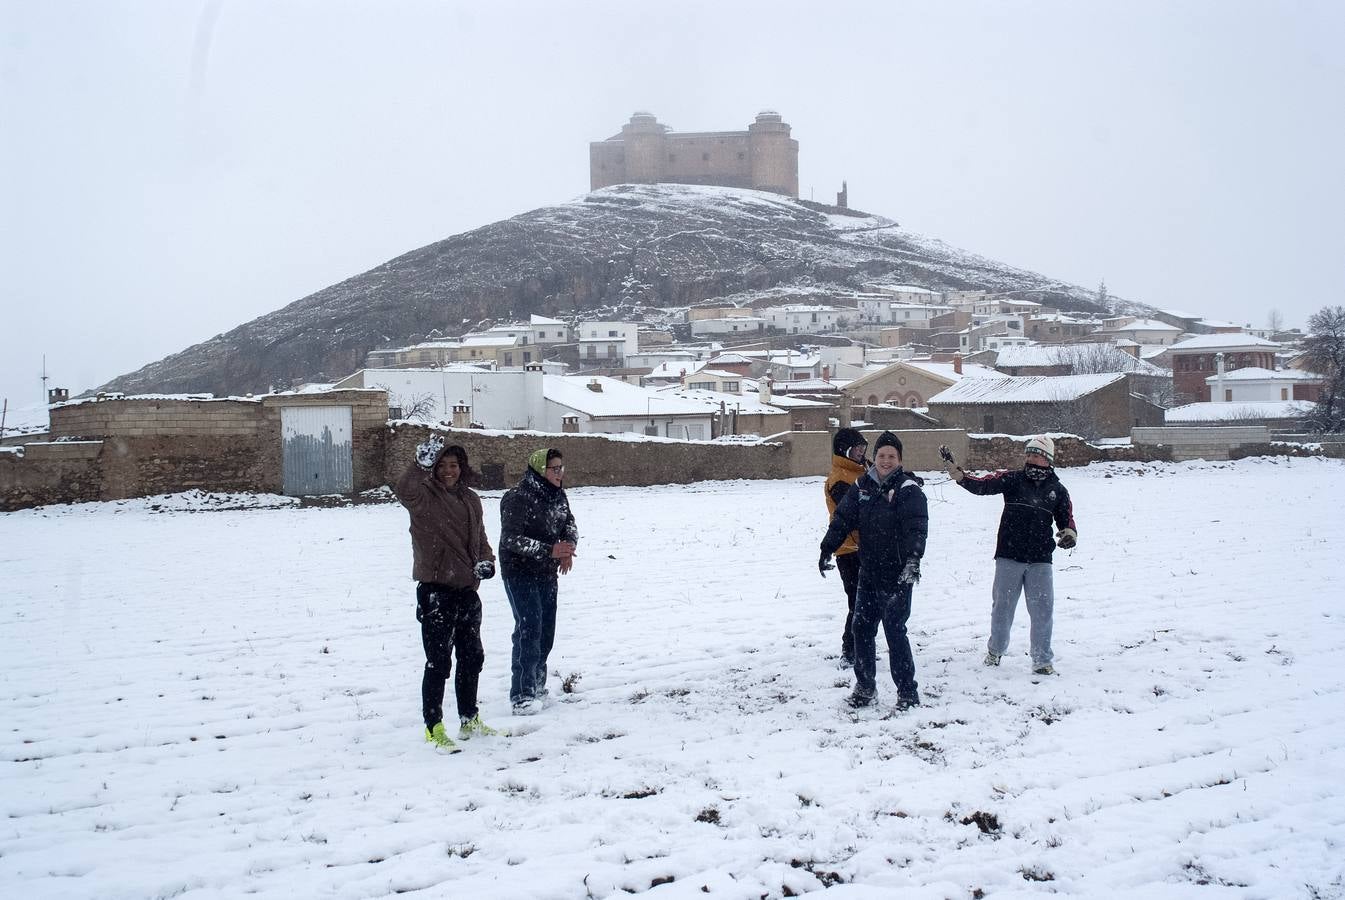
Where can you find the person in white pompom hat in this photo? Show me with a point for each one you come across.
(1034, 499)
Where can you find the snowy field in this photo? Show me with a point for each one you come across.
(208, 702)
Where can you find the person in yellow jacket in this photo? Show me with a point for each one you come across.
(847, 464)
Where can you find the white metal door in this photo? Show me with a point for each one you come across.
(316, 450)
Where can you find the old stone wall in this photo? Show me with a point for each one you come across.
(114, 448)
(502, 458)
(45, 473)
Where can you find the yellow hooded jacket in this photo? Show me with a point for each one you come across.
(844, 473)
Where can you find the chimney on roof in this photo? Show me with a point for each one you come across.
(957, 363)
(462, 415)
(826, 373)
(764, 389)
(569, 424)
(1218, 378)
(595, 385)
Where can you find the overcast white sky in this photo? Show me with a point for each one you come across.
(173, 169)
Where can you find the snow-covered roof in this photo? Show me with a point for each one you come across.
(799, 308)
(492, 340)
(1024, 389)
(793, 360)
(1256, 373)
(811, 384)
(715, 373)
(1238, 341)
(1239, 411)
(711, 400)
(904, 288)
(945, 369)
(616, 399)
(735, 359)
(1072, 354)
(1145, 325)
(676, 368)
(543, 320)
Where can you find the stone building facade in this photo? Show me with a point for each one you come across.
(762, 158)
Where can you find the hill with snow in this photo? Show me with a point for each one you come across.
(608, 253)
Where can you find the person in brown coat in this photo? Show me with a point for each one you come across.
(451, 555)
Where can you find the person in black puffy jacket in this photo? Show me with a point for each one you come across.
(1034, 501)
(888, 509)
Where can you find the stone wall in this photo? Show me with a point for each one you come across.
(141, 446)
(501, 458)
(43, 473)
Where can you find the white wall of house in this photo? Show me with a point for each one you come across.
(799, 319)
(888, 312)
(607, 341)
(548, 331)
(1239, 391)
(730, 325)
(498, 399)
(681, 426)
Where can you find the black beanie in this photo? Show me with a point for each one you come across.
(844, 440)
(888, 439)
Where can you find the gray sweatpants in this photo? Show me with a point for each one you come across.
(1011, 579)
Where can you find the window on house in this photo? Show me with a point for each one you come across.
(1284, 393)
(1228, 395)
(527, 357)
(702, 385)
(731, 387)
(509, 359)
(611, 351)
(612, 333)
(592, 351)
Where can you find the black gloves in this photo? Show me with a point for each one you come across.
(484, 570)
(949, 463)
(1066, 538)
(824, 563)
(910, 573)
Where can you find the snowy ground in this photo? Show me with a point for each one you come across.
(212, 702)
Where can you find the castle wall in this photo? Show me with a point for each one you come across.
(764, 157)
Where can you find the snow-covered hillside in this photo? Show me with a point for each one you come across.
(210, 702)
(607, 253)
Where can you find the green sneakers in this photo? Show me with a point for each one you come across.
(473, 727)
(440, 738)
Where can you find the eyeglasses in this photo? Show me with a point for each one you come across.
(557, 469)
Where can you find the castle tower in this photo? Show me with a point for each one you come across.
(643, 136)
(774, 155)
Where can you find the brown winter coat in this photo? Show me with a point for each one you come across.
(448, 536)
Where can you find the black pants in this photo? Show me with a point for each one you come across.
(847, 564)
(450, 618)
(890, 607)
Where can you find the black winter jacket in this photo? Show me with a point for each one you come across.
(533, 517)
(1025, 533)
(892, 520)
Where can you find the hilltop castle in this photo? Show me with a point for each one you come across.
(763, 158)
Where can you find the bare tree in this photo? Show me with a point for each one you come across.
(1324, 353)
(413, 406)
(1274, 321)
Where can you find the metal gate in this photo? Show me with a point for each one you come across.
(316, 452)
